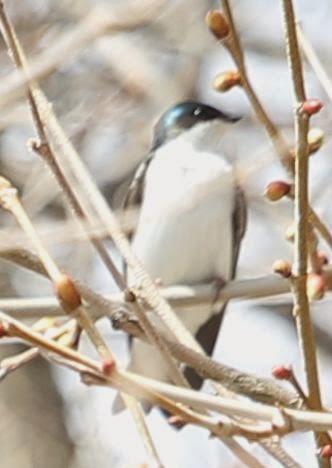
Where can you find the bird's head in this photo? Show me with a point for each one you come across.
(184, 117)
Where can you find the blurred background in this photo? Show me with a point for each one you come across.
(107, 97)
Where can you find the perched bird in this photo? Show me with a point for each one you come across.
(191, 222)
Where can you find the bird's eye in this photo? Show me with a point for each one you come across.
(197, 111)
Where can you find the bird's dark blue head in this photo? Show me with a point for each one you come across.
(184, 116)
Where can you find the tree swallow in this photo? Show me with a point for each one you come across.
(191, 222)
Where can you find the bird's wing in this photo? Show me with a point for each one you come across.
(239, 226)
(135, 192)
(134, 195)
(208, 333)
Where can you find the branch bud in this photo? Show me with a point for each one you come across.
(311, 107)
(290, 233)
(283, 268)
(108, 365)
(3, 329)
(217, 23)
(282, 372)
(325, 451)
(67, 293)
(177, 421)
(315, 139)
(316, 286)
(277, 190)
(7, 193)
(322, 258)
(226, 80)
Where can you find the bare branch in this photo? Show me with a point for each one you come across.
(301, 309)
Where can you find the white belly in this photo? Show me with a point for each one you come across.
(184, 234)
(185, 227)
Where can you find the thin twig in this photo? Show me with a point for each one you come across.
(39, 114)
(242, 454)
(45, 122)
(281, 146)
(233, 44)
(284, 421)
(301, 309)
(44, 148)
(10, 201)
(138, 387)
(254, 387)
(314, 61)
(177, 295)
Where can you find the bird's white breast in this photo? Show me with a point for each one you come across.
(184, 233)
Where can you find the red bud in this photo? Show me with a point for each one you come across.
(282, 372)
(277, 190)
(108, 365)
(3, 329)
(177, 421)
(311, 106)
(325, 451)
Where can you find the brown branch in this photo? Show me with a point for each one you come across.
(282, 421)
(177, 295)
(301, 309)
(67, 293)
(237, 381)
(138, 387)
(69, 160)
(233, 44)
(281, 146)
(163, 394)
(40, 109)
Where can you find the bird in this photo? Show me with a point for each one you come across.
(191, 221)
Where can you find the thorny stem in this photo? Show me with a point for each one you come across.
(301, 210)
